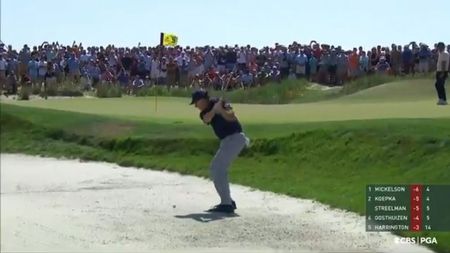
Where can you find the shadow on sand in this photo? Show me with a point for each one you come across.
(207, 217)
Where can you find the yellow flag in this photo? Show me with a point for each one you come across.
(169, 39)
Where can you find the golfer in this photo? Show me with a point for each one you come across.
(226, 126)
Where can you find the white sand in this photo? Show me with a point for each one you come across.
(65, 205)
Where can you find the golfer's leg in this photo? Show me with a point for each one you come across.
(228, 151)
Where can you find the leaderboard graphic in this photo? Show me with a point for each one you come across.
(412, 208)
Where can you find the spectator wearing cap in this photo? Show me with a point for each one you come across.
(442, 70)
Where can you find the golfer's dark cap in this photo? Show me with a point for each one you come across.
(199, 94)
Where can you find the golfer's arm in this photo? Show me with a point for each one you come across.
(208, 116)
(228, 115)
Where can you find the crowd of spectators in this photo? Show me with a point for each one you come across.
(224, 67)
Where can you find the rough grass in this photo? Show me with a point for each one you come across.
(288, 91)
(108, 91)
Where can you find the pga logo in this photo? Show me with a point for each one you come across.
(416, 240)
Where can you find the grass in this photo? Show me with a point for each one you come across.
(288, 91)
(330, 162)
(400, 91)
(271, 93)
(327, 151)
(402, 99)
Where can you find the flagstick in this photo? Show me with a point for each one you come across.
(156, 102)
(161, 44)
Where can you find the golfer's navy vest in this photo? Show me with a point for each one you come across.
(222, 128)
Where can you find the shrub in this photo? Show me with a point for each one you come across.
(108, 91)
(24, 93)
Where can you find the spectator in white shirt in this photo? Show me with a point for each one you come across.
(182, 60)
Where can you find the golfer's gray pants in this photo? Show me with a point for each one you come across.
(229, 149)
